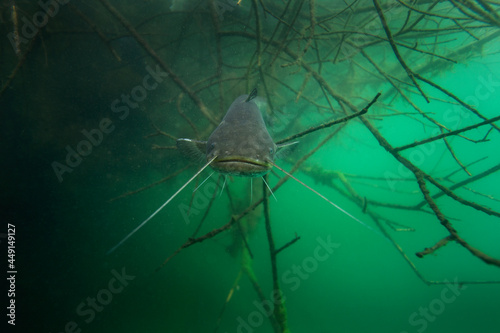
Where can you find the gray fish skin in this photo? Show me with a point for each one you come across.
(241, 142)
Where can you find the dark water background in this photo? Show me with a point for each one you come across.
(68, 83)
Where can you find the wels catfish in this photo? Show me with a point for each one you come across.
(241, 146)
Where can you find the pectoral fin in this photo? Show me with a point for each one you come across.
(192, 149)
(285, 149)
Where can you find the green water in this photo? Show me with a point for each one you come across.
(340, 276)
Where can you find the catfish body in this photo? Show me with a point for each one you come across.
(241, 144)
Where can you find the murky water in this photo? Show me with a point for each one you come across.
(98, 91)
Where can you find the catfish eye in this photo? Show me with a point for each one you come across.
(271, 151)
(212, 146)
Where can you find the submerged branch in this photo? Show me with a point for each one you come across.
(182, 85)
(331, 123)
(421, 177)
(387, 30)
(279, 308)
(438, 245)
(444, 135)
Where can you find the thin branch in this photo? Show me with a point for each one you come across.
(279, 308)
(465, 182)
(421, 177)
(182, 85)
(409, 72)
(172, 175)
(444, 135)
(94, 27)
(287, 244)
(432, 249)
(453, 233)
(20, 63)
(331, 123)
(452, 152)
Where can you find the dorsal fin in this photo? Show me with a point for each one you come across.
(252, 95)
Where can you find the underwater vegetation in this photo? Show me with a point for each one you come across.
(352, 185)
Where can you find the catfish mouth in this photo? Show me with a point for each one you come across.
(241, 166)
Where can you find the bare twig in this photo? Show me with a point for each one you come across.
(331, 123)
(409, 72)
(444, 135)
(182, 85)
(432, 249)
